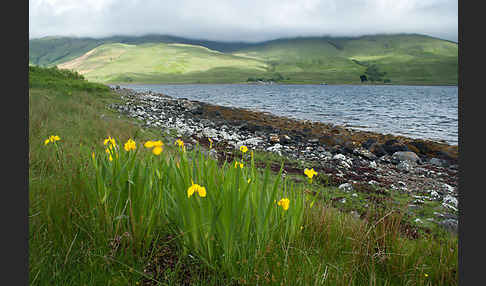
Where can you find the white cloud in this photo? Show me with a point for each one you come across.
(250, 20)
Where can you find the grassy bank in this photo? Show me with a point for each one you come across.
(133, 220)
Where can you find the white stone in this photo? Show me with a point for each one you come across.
(346, 187)
(373, 165)
(448, 188)
(450, 200)
(339, 157)
(373, 182)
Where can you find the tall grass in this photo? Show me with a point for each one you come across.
(235, 217)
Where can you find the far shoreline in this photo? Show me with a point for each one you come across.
(274, 83)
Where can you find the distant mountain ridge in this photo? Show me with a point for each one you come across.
(404, 59)
(47, 51)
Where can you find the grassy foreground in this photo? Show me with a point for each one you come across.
(103, 212)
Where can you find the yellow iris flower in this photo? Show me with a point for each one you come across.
(157, 150)
(52, 138)
(109, 140)
(284, 203)
(195, 188)
(157, 145)
(243, 149)
(310, 173)
(179, 143)
(130, 145)
(149, 144)
(238, 164)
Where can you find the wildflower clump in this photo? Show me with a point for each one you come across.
(111, 147)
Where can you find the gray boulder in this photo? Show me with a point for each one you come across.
(365, 154)
(402, 156)
(437, 162)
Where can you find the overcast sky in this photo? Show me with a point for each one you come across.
(244, 20)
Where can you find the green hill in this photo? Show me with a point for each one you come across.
(413, 59)
(49, 51)
(163, 63)
(403, 58)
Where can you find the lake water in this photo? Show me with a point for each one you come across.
(427, 112)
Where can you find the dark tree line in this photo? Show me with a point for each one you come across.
(373, 74)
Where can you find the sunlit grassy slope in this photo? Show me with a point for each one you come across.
(162, 62)
(406, 59)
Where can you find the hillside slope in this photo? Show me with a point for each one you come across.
(162, 63)
(405, 59)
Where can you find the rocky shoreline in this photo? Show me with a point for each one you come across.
(351, 159)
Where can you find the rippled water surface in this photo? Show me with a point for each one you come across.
(429, 112)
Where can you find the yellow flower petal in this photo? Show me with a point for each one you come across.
(310, 173)
(196, 188)
(130, 145)
(179, 143)
(191, 190)
(243, 149)
(157, 150)
(202, 191)
(149, 144)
